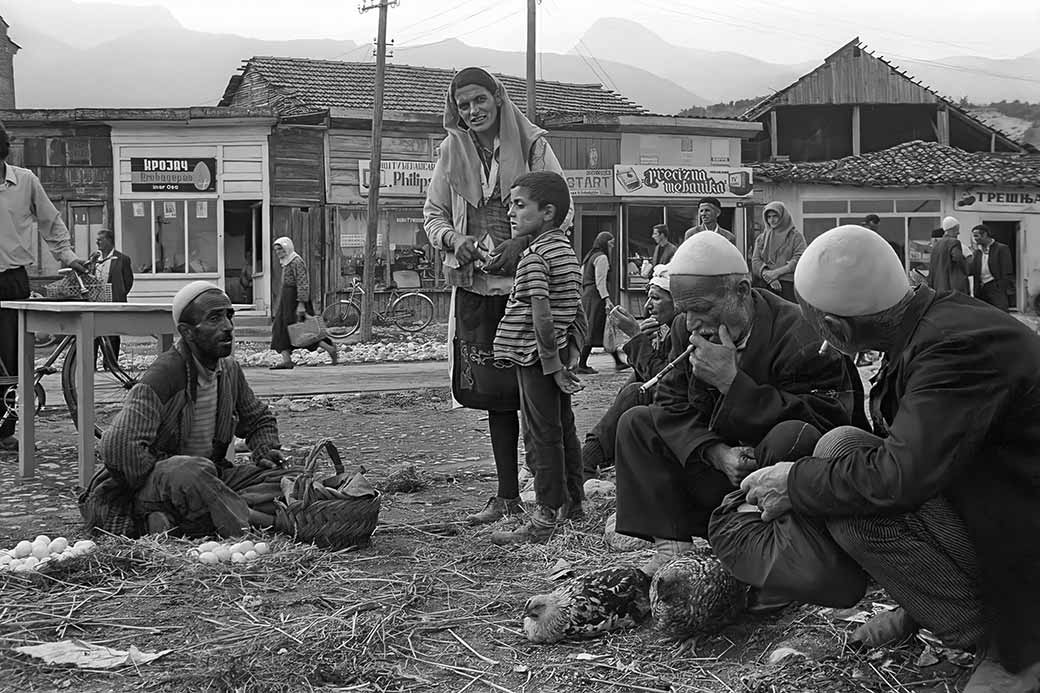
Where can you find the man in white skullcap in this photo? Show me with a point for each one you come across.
(948, 269)
(942, 505)
(755, 363)
(164, 457)
(647, 351)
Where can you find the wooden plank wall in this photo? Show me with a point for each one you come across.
(297, 157)
(73, 162)
(347, 147)
(305, 226)
(572, 148)
(854, 76)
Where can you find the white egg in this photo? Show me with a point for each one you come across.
(59, 545)
(208, 546)
(261, 548)
(42, 539)
(245, 546)
(236, 548)
(250, 555)
(20, 567)
(208, 557)
(31, 562)
(238, 558)
(222, 553)
(23, 549)
(41, 551)
(84, 545)
(5, 559)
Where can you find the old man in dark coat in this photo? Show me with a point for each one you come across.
(757, 363)
(947, 267)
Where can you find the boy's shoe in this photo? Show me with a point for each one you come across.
(495, 510)
(537, 530)
(585, 370)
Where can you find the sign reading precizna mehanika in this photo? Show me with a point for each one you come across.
(173, 174)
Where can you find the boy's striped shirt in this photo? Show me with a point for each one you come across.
(549, 268)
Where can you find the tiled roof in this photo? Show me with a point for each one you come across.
(913, 163)
(321, 84)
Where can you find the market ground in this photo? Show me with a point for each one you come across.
(430, 605)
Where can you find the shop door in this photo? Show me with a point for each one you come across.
(1006, 232)
(592, 226)
(243, 251)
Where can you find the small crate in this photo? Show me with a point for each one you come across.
(68, 288)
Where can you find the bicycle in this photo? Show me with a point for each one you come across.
(412, 311)
(111, 377)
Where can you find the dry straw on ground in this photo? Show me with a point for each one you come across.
(427, 607)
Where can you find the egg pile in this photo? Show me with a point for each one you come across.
(213, 552)
(28, 556)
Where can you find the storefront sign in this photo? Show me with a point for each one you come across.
(590, 182)
(995, 200)
(638, 180)
(173, 174)
(399, 178)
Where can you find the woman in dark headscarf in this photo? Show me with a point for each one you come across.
(777, 251)
(489, 145)
(596, 277)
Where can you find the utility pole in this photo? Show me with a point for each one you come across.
(532, 56)
(368, 280)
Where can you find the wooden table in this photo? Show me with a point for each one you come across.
(85, 321)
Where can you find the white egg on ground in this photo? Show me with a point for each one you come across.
(223, 553)
(250, 555)
(238, 558)
(41, 551)
(42, 539)
(208, 557)
(23, 549)
(84, 545)
(245, 546)
(261, 548)
(59, 545)
(31, 562)
(208, 546)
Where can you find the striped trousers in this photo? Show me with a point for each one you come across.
(924, 559)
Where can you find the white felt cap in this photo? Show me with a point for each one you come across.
(850, 271)
(707, 254)
(948, 223)
(189, 293)
(660, 278)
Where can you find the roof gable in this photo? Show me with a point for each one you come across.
(912, 163)
(311, 85)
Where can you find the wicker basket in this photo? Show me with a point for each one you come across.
(68, 288)
(318, 512)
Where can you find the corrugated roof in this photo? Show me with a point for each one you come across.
(321, 84)
(912, 163)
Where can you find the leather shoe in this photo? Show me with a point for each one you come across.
(9, 444)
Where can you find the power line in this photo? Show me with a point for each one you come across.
(494, 4)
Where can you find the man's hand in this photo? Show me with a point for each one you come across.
(649, 325)
(506, 255)
(768, 276)
(272, 459)
(465, 248)
(573, 355)
(567, 381)
(767, 488)
(735, 462)
(775, 285)
(626, 323)
(79, 266)
(715, 364)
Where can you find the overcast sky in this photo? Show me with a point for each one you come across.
(775, 30)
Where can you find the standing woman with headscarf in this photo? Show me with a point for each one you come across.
(596, 277)
(777, 251)
(489, 145)
(294, 304)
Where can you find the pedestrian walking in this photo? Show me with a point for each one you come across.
(294, 305)
(597, 275)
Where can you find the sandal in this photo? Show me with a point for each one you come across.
(283, 366)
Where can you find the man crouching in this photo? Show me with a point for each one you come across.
(164, 457)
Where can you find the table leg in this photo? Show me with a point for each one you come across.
(26, 398)
(85, 395)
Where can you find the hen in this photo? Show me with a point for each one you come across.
(595, 603)
(694, 595)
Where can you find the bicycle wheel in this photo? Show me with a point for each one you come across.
(111, 382)
(412, 312)
(9, 403)
(342, 319)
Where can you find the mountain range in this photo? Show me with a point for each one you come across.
(142, 56)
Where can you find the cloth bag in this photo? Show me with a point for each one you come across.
(308, 332)
(791, 557)
(614, 339)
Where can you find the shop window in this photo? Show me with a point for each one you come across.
(919, 248)
(170, 236)
(401, 246)
(679, 219)
(825, 207)
(814, 226)
(865, 207)
(917, 206)
(639, 246)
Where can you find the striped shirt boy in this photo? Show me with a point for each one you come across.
(548, 269)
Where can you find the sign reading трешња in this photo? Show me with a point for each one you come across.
(173, 174)
(1022, 201)
(643, 180)
(398, 178)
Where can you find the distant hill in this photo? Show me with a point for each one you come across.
(981, 80)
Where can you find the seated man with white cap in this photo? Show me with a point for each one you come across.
(647, 353)
(942, 505)
(755, 363)
(164, 456)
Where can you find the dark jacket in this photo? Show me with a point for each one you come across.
(781, 376)
(120, 276)
(648, 354)
(947, 267)
(1000, 266)
(663, 254)
(959, 406)
(154, 421)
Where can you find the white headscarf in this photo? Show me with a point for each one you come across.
(290, 250)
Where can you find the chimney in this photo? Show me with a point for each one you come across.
(7, 50)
